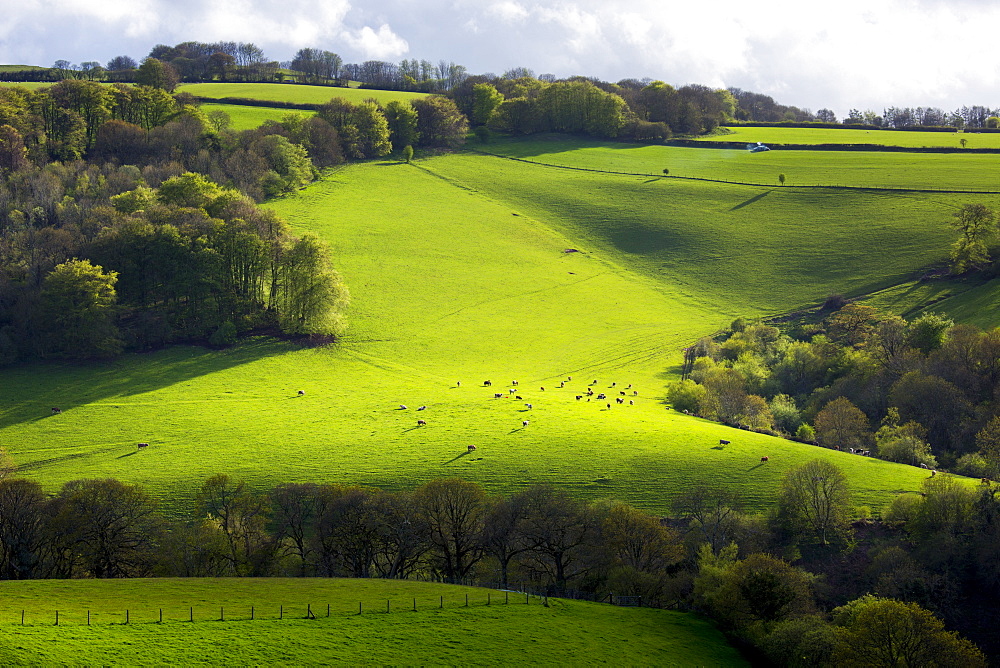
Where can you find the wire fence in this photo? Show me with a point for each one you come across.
(495, 594)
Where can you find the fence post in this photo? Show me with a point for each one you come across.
(222, 614)
(251, 613)
(161, 615)
(88, 617)
(506, 597)
(57, 618)
(126, 615)
(467, 600)
(442, 605)
(359, 607)
(22, 618)
(281, 612)
(487, 598)
(191, 614)
(526, 598)
(414, 605)
(327, 609)
(387, 605)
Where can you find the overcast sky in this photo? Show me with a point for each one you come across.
(839, 55)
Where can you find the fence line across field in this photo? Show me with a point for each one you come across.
(255, 612)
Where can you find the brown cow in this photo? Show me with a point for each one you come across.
(142, 445)
(471, 448)
(764, 459)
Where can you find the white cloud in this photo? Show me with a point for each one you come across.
(510, 12)
(381, 45)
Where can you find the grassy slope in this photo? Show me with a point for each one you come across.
(248, 118)
(829, 168)
(451, 286)
(564, 632)
(293, 92)
(914, 139)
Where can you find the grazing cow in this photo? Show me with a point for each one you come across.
(487, 383)
(518, 397)
(422, 408)
(471, 448)
(421, 423)
(764, 458)
(629, 386)
(602, 396)
(569, 378)
(562, 384)
(529, 406)
(542, 389)
(595, 382)
(631, 403)
(635, 393)
(723, 442)
(609, 406)
(923, 466)
(686, 412)
(619, 400)
(302, 393)
(142, 445)
(498, 395)
(590, 392)
(56, 411)
(933, 472)
(621, 392)
(458, 383)
(513, 382)
(402, 407)
(524, 423)
(613, 384)
(511, 391)
(579, 396)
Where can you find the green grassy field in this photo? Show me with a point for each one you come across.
(564, 632)
(293, 92)
(469, 280)
(801, 168)
(248, 118)
(33, 85)
(909, 139)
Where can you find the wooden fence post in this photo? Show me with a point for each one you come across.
(467, 600)
(88, 617)
(327, 609)
(281, 612)
(57, 618)
(487, 598)
(126, 615)
(251, 613)
(22, 618)
(191, 614)
(387, 605)
(414, 605)
(161, 615)
(442, 602)
(222, 614)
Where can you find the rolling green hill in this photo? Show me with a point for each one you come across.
(459, 271)
(907, 138)
(441, 630)
(301, 94)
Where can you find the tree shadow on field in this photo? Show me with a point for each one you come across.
(755, 198)
(31, 390)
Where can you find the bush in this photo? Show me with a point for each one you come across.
(685, 395)
(972, 465)
(806, 434)
(225, 335)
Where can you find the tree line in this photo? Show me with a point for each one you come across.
(889, 597)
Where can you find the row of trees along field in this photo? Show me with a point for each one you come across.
(896, 579)
(921, 392)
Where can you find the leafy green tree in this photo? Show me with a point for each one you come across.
(485, 99)
(903, 443)
(402, 120)
(79, 309)
(239, 518)
(157, 74)
(976, 223)
(440, 123)
(842, 424)
(988, 443)
(407, 153)
(309, 295)
(190, 189)
(815, 499)
(874, 632)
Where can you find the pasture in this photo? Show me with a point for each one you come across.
(928, 171)
(223, 633)
(459, 271)
(247, 118)
(905, 138)
(298, 93)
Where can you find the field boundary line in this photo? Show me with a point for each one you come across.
(742, 183)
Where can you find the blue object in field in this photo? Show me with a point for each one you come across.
(757, 148)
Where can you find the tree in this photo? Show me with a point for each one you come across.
(852, 324)
(157, 74)
(874, 632)
(561, 529)
(454, 511)
(815, 498)
(988, 443)
(439, 122)
(190, 189)
(407, 153)
(121, 63)
(240, 517)
(485, 99)
(402, 120)
(975, 222)
(22, 528)
(78, 309)
(111, 526)
(13, 153)
(308, 294)
(781, 179)
(842, 424)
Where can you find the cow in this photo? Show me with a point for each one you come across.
(621, 392)
(631, 403)
(609, 406)
(922, 465)
(579, 396)
(302, 393)
(542, 389)
(519, 397)
(498, 395)
(764, 458)
(722, 441)
(421, 423)
(142, 445)
(635, 393)
(569, 378)
(619, 400)
(513, 382)
(524, 423)
(422, 408)
(471, 448)
(487, 383)
(458, 383)
(602, 396)
(402, 407)
(56, 411)
(529, 406)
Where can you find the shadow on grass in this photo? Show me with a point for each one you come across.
(30, 390)
(755, 198)
(127, 454)
(754, 468)
(458, 457)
